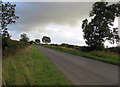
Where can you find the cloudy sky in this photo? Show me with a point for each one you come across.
(61, 21)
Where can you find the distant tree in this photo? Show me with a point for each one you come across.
(31, 42)
(7, 16)
(37, 41)
(24, 38)
(46, 39)
(100, 29)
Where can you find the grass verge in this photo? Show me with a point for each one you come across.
(31, 67)
(108, 57)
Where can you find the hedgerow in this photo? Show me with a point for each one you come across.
(14, 46)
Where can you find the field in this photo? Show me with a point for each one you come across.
(30, 67)
(104, 56)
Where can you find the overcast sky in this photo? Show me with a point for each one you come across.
(60, 21)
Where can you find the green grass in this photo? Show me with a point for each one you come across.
(108, 57)
(31, 67)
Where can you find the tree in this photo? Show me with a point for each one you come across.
(7, 16)
(46, 39)
(31, 42)
(24, 38)
(100, 28)
(37, 41)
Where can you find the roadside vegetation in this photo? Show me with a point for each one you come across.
(13, 47)
(30, 67)
(108, 55)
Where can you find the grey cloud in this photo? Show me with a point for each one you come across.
(34, 14)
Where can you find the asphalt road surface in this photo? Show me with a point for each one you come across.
(81, 70)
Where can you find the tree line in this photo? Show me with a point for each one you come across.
(45, 39)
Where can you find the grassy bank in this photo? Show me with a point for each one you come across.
(108, 57)
(31, 67)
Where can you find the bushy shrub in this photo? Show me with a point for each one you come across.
(70, 46)
(54, 45)
(64, 44)
(13, 47)
(6, 42)
(114, 49)
(85, 49)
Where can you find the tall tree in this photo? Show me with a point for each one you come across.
(100, 28)
(24, 38)
(46, 39)
(37, 41)
(7, 16)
